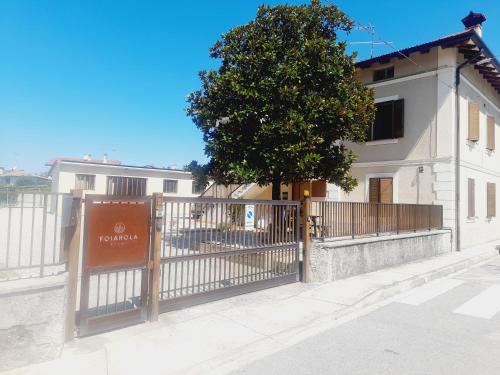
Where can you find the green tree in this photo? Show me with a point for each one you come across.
(200, 174)
(284, 100)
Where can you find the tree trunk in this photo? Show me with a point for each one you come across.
(276, 186)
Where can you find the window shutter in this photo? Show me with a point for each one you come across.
(318, 189)
(386, 190)
(491, 133)
(491, 199)
(473, 121)
(398, 122)
(374, 190)
(471, 198)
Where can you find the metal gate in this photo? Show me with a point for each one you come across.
(116, 248)
(215, 248)
(144, 255)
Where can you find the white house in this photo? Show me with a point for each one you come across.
(113, 178)
(414, 153)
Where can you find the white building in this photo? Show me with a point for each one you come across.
(113, 178)
(414, 153)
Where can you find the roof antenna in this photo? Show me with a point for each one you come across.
(370, 29)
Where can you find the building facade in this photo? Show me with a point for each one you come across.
(113, 178)
(422, 98)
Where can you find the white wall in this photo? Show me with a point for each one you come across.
(477, 162)
(64, 175)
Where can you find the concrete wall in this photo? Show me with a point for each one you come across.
(32, 313)
(333, 260)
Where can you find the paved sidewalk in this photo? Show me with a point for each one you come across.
(221, 336)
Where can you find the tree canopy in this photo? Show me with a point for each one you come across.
(284, 100)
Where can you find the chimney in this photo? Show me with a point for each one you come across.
(105, 159)
(474, 21)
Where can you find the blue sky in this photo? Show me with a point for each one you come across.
(92, 77)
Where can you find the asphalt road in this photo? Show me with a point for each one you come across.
(449, 326)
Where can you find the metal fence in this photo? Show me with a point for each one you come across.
(354, 219)
(209, 247)
(32, 228)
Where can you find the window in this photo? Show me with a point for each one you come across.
(471, 198)
(389, 121)
(380, 190)
(126, 186)
(473, 122)
(85, 182)
(381, 74)
(170, 186)
(490, 123)
(195, 189)
(491, 200)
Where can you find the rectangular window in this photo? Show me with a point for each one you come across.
(490, 123)
(126, 186)
(491, 200)
(473, 122)
(471, 198)
(85, 182)
(170, 186)
(389, 121)
(381, 74)
(381, 190)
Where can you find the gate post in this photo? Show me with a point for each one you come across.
(306, 238)
(155, 257)
(72, 249)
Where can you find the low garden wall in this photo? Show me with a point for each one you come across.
(31, 320)
(339, 259)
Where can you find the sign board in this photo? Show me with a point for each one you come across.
(117, 233)
(249, 216)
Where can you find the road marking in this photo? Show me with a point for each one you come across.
(429, 291)
(485, 305)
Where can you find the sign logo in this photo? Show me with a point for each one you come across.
(119, 228)
(119, 237)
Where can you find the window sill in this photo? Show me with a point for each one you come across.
(382, 142)
(471, 219)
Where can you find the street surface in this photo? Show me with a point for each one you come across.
(449, 326)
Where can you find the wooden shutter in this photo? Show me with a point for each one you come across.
(491, 133)
(374, 190)
(491, 199)
(398, 118)
(386, 190)
(471, 198)
(318, 189)
(473, 122)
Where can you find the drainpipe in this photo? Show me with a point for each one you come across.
(457, 147)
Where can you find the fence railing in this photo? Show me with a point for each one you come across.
(354, 219)
(32, 233)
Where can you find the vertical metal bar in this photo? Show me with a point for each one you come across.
(107, 292)
(56, 197)
(183, 242)
(116, 291)
(125, 291)
(98, 293)
(133, 285)
(9, 218)
(20, 231)
(352, 219)
(44, 231)
(32, 229)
